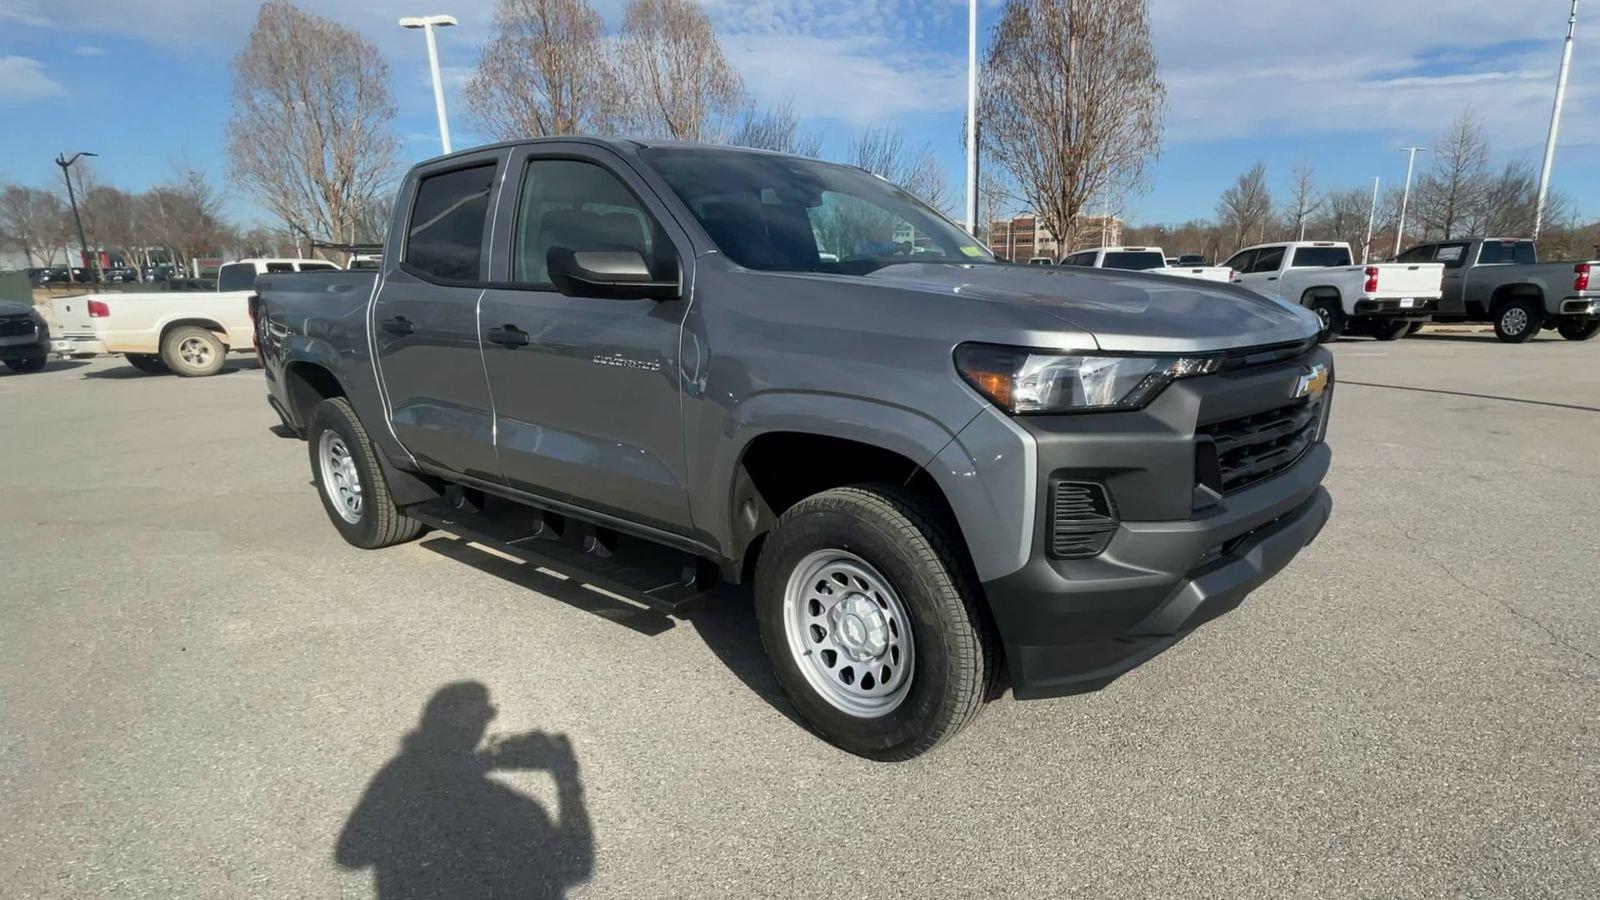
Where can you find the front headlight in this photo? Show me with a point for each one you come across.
(1030, 381)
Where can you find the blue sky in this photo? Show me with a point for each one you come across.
(1343, 85)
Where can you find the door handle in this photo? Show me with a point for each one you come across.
(398, 325)
(1272, 278)
(507, 336)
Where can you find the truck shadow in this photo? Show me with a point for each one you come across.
(432, 823)
(127, 371)
(723, 616)
(1423, 390)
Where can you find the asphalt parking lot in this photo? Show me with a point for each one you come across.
(200, 681)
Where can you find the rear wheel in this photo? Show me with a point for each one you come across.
(345, 469)
(871, 622)
(1578, 329)
(1414, 327)
(1332, 316)
(1518, 321)
(1388, 331)
(192, 351)
(27, 364)
(149, 363)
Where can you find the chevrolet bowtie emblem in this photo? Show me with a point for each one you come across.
(1312, 383)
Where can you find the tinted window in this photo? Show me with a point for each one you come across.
(445, 236)
(1079, 259)
(1137, 261)
(1320, 257)
(1268, 259)
(1417, 254)
(1452, 255)
(1500, 252)
(279, 268)
(1241, 261)
(782, 213)
(580, 206)
(236, 277)
(316, 266)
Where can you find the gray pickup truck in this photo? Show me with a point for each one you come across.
(942, 473)
(1501, 280)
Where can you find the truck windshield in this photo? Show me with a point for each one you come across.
(1134, 260)
(785, 214)
(1500, 252)
(1320, 257)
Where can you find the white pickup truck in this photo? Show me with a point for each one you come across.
(187, 333)
(1143, 259)
(1384, 300)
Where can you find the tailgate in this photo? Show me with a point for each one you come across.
(68, 315)
(1410, 280)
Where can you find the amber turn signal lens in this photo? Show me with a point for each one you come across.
(994, 385)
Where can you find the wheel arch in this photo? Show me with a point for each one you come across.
(308, 383)
(210, 325)
(1507, 293)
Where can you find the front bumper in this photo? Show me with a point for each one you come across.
(1179, 556)
(25, 346)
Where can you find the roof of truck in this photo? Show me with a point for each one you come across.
(613, 143)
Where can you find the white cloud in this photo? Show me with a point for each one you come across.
(860, 80)
(25, 81)
(88, 50)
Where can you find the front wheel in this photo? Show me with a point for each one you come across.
(871, 622)
(27, 364)
(193, 352)
(1578, 329)
(1518, 321)
(345, 469)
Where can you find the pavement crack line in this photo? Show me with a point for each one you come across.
(1508, 606)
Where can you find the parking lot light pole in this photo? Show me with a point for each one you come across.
(972, 117)
(1555, 122)
(72, 198)
(427, 24)
(1405, 195)
(1372, 218)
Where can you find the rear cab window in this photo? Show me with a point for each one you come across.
(1500, 253)
(444, 236)
(1320, 257)
(236, 277)
(1134, 260)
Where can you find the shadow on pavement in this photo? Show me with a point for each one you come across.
(126, 370)
(1423, 390)
(1484, 338)
(54, 365)
(432, 823)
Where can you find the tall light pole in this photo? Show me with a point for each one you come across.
(1405, 196)
(972, 117)
(1372, 218)
(1555, 121)
(428, 24)
(72, 198)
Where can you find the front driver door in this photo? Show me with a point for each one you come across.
(424, 320)
(586, 389)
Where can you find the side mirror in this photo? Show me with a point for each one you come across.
(608, 274)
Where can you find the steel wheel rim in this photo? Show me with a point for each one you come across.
(849, 633)
(340, 482)
(1514, 320)
(195, 351)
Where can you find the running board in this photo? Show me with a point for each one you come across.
(659, 578)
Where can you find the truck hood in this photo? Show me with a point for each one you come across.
(13, 308)
(1121, 311)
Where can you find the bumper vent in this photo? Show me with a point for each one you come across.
(16, 327)
(1082, 519)
(1237, 453)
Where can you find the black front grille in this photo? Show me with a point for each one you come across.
(1237, 453)
(16, 326)
(1082, 519)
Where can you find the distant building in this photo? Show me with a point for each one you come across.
(1021, 238)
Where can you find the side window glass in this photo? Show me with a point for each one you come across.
(1452, 255)
(279, 268)
(1268, 260)
(444, 238)
(1417, 255)
(578, 205)
(1241, 261)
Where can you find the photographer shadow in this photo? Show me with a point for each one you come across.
(432, 823)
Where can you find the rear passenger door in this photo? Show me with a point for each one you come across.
(587, 389)
(425, 318)
(1262, 275)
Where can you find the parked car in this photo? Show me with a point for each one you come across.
(1382, 300)
(924, 462)
(24, 337)
(1143, 259)
(188, 333)
(1501, 280)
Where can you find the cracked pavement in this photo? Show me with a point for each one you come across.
(199, 682)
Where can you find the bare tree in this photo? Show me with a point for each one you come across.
(1246, 206)
(775, 128)
(310, 133)
(31, 220)
(184, 215)
(1447, 197)
(118, 224)
(1344, 216)
(677, 81)
(1072, 107)
(547, 69)
(1304, 200)
(884, 152)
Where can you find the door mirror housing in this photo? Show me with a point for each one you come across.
(608, 274)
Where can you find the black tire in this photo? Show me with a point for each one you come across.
(954, 652)
(148, 363)
(1518, 320)
(1332, 316)
(27, 364)
(1414, 327)
(1388, 331)
(193, 352)
(1578, 329)
(380, 523)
